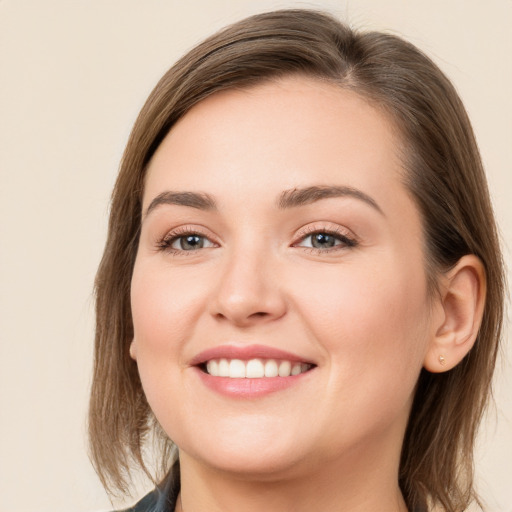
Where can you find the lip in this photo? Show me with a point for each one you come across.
(246, 352)
(248, 388)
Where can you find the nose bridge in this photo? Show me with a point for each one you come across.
(249, 290)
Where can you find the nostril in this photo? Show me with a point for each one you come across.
(245, 306)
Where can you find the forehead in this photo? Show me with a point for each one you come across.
(279, 134)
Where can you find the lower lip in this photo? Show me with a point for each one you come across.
(249, 388)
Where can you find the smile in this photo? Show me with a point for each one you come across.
(254, 368)
(250, 371)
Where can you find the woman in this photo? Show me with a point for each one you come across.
(302, 287)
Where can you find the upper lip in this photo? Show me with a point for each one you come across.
(246, 352)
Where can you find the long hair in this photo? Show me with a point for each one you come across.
(443, 172)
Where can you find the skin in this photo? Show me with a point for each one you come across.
(360, 312)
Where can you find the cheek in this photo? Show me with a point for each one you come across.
(164, 307)
(372, 321)
(164, 316)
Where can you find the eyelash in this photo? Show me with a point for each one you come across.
(347, 242)
(165, 244)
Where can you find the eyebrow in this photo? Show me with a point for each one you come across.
(201, 201)
(288, 199)
(303, 196)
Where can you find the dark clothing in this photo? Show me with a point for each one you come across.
(162, 498)
(153, 502)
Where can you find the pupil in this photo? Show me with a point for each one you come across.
(323, 240)
(191, 242)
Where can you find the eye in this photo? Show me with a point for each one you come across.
(323, 240)
(185, 241)
(190, 242)
(320, 241)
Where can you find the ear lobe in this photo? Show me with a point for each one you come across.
(133, 350)
(462, 301)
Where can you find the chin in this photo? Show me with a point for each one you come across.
(255, 456)
(253, 466)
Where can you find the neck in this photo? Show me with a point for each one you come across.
(355, 485)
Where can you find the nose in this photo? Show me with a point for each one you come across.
(249, 291)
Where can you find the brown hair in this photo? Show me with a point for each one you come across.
(443, 171)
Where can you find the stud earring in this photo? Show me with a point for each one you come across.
(442, 360)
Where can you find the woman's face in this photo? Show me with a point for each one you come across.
(277, 239)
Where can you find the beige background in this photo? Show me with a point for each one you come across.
(73, 77)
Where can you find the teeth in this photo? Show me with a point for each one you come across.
(223, 368)
(285, 369)
(236, 369)
(271, 369)
(254, 368)
(296, 369)
(212, 367)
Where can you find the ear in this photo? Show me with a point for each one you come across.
(462, 301)
(133, 350)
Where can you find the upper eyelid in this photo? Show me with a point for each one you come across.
(188, 229)
(327, 227)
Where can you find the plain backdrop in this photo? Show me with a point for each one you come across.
(73, 75)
